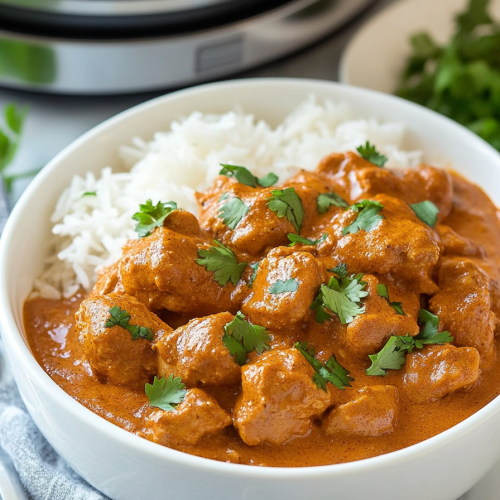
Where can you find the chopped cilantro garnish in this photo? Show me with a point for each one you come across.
(369, 152)
(281, 286)
(120, 317)
(165, 393)
(331, 371)
(241, 337)
(255, 268)
(233, 211)
(151, 216)
(89, 193)
(244, 176)
(340, 270)
(393, 355)
(368, 217)
(286, 202)
(223, 262)
(295, 238)
(383, 292)
(341, 298)
(426, 211)
(326, 200)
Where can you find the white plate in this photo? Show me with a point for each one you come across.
(376, 55)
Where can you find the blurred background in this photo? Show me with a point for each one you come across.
(74, 63)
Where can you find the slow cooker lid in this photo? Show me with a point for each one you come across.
(105, 19)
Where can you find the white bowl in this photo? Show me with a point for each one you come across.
(377, 54)
(125, 466)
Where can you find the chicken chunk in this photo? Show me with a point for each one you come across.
(435, 371)
(161, 271)
(112, 352)
(373, 412)
(463, 304)
(278, 398)
(454, 244)
(108, 281)
(279, 310)
(368, 332)
(195, 352)
(198, 415)
(400, 244)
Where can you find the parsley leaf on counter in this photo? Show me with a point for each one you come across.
(232, 212)
(241, 337)
(164, 393)
(295, 238)
(426, 211)
(369, 152)
(244, 176)
(368, 217)
(383, 292)
(281, 286)
(393, 354)
(151, 216)
(255, 268)
(286, 202)
(331, 371)
(341, 298)
(340, 270)
(460, 79)
(223, 262)
(120, 317)
(326, 200)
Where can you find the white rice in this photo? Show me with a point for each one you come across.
(89, 231)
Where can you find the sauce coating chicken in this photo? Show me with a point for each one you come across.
(321, 321)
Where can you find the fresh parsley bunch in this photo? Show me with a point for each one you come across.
(462, 78)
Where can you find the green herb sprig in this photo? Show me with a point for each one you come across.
(426, 211)
(120, 317)
(368, 217)
(326, 200)
(383, 292)
(164, 393)
(331, 371)
(280, 286)
(151, 216)
(244, 176)
(295, 238)
(393, 354)
(223, 262)
(233, 211)
(287, 203)
(369, 152)
(242, 337)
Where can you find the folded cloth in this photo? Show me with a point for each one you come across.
(44, 474)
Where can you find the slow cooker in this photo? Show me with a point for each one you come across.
(122, 46)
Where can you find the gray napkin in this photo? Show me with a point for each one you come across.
(44, 475)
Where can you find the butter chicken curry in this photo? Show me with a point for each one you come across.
(348, 313)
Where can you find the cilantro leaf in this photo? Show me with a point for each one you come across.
(383, 292)
(151, 216)
(393, 354)
(391, 357)
(340, 298)
(426, 211)
(295, 238)
(223, 262)
(233, 211)
(281, 286)
(429, 334)
(89, 193)
(120, 317)
(368, 217)
(340, 270)
(325, 200)
(255, 268)
(369, 152)
(244, 176)
(475, 15)
(287, 203)
(331, 371)
(241, 337)
(164, 393)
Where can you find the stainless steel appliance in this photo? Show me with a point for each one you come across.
(123, 46)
